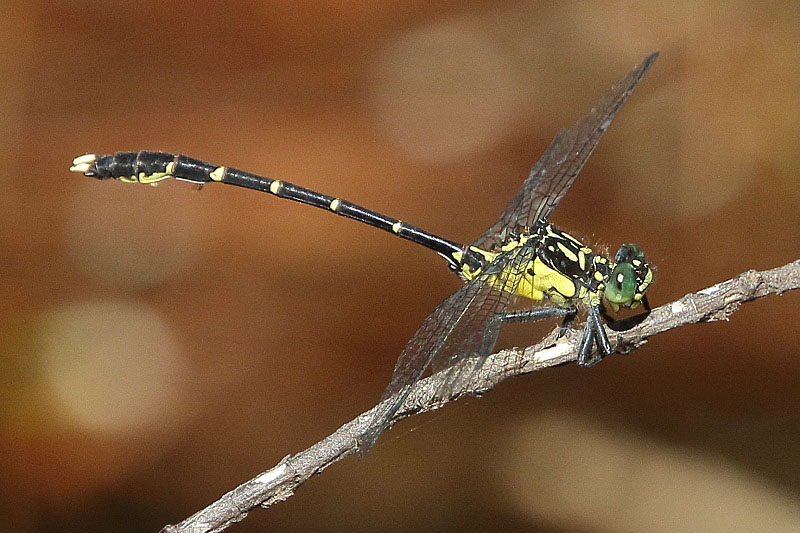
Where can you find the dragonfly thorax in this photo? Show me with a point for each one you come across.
(550, 264)
(565, 270)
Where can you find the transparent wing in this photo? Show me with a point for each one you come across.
(557, 169)
(453, 331)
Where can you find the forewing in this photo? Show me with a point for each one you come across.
(556, 170)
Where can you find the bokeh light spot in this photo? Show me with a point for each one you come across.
(625, 482)
(112, 365)
(444, 91)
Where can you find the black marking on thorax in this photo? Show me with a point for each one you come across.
(566, 254)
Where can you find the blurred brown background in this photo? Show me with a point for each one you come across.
(161, 345)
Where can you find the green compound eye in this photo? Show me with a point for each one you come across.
(621, 286)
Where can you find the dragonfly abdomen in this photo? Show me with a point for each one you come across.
(152, 167)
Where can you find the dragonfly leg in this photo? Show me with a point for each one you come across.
(533, 314)
(600, 334)
(593, 331)
(567, 322)
(585, 346)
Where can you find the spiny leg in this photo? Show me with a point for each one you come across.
(492, 329)
(600, 334)
(489, 338)
(593, 331)
(585, 346)
(569, 318)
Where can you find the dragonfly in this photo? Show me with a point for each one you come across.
(520, 261)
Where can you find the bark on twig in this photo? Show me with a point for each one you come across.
(279, 482)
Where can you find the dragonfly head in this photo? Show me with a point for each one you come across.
(629, 278)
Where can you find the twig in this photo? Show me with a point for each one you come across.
(279, 483)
